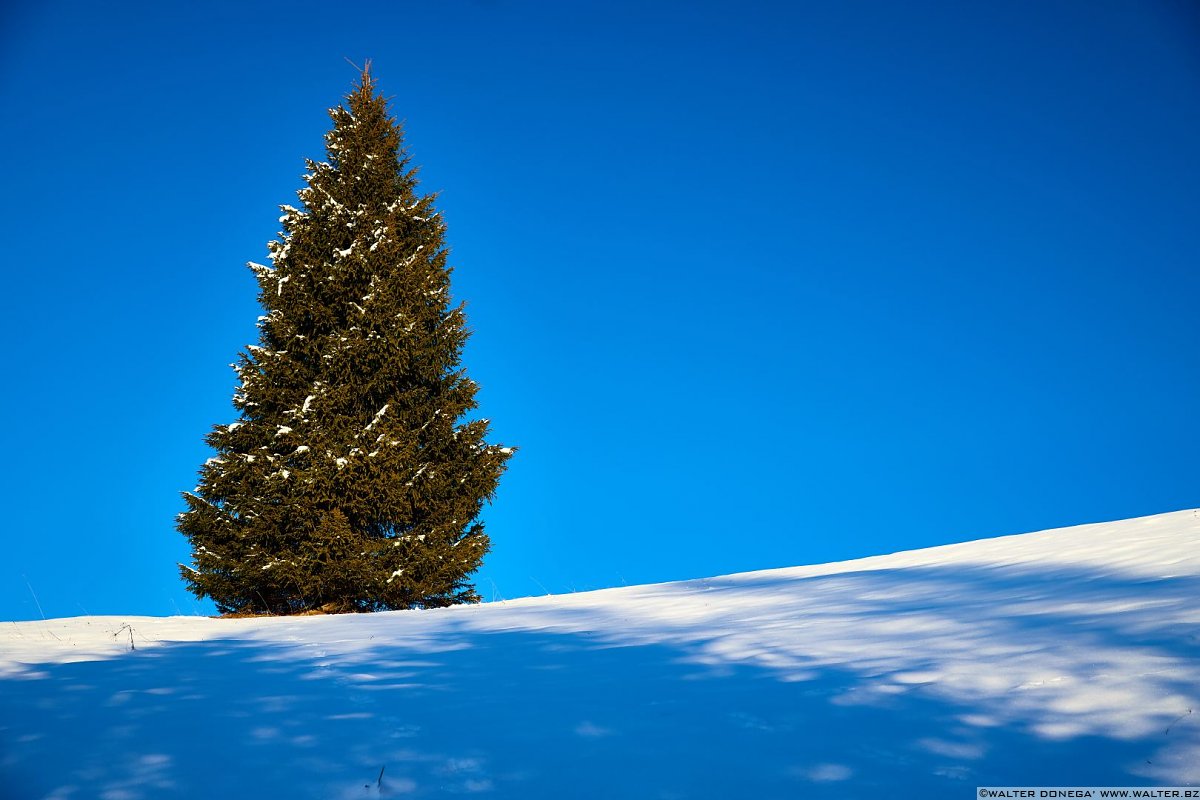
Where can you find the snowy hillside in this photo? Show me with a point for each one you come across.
(1064, 657)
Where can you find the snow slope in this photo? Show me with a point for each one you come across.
(1064, 657)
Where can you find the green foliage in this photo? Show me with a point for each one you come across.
(352, 480)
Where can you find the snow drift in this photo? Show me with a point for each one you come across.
(1063, 657)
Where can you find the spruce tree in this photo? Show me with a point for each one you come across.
(353, 479)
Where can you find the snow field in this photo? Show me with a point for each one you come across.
(1062, 657)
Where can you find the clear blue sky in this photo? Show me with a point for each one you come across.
(753, 285)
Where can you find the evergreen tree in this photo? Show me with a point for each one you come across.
(352, 480)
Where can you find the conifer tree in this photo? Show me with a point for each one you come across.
(352, 480)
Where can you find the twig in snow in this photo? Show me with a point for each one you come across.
(1176, 722)
(35, 598)
(39, 606)
(122, 629)
(378, 781)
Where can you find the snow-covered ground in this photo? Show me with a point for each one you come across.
(1064, 657)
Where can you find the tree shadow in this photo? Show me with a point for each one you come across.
(920, 682)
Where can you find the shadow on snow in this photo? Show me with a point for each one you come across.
(766, 696)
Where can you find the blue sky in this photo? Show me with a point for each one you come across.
(752, 286)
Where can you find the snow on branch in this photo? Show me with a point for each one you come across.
(378, 416)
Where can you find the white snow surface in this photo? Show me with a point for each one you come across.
(1065, 657)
